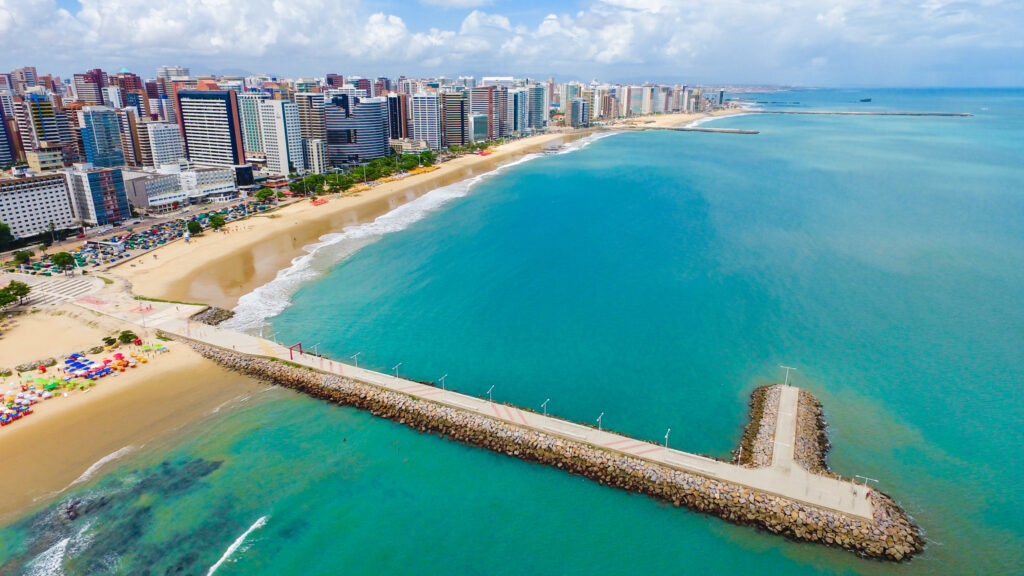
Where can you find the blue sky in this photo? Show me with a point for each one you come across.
(798, 42)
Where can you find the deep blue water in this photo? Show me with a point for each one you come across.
(656, 277)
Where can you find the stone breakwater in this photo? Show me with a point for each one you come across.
(890, 536)
(758, 441)
(812, 443)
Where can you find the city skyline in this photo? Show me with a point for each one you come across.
(807, 43)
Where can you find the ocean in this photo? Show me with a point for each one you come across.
(654, 277)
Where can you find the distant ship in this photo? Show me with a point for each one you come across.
(865, 99)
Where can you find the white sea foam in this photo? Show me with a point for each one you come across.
(92, 470)
(50, 562)
(274, 297)
(707, 119)
(234, 545)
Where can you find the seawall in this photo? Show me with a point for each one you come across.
(890, 535)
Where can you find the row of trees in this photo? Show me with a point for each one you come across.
(373, 170)
(14, 292)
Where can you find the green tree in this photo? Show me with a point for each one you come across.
(126, 337)
(6, 298)
(64, 261)
(194, 227)
(264, 194)
(6, 237)
(23, 256)
(217, 221)
(19, 290)
(110, 341)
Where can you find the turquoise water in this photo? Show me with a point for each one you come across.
(655, 277)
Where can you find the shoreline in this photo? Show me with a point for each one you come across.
(219, 268)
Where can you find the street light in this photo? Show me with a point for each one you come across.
(666, 438)
(545, 406)
(395, 368)
(442, 382)
(489, 390)
(355, 358)
(787, 369)
(314, 349)
(599, 421)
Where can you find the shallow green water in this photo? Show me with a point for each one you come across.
(657, 278)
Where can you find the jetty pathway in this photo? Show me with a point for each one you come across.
(784, 477)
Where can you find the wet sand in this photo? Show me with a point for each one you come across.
(45, 452)
(218, 268)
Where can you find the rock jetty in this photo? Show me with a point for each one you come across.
(758, 441)
(890, 536)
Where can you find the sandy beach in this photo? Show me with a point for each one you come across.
(218, 268)
(52, 448)
(47, 451)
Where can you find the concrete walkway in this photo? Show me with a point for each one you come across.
(784, 478)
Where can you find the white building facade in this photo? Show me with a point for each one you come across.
(29, 205)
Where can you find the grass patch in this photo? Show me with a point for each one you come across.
(105, 280)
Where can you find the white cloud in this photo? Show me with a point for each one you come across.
(807, 41)
(457, 3)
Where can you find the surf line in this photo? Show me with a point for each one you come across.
(234, 545)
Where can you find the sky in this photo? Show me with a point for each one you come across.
(780, 42)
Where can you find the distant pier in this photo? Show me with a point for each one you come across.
(854, 113)
(691, 129)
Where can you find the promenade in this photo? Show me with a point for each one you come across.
(783, 478)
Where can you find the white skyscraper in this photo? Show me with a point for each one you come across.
(426, 119)
(282, 136)
(164, 144)
(249, 116)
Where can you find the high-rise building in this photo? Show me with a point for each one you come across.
(481, 127)
(101, 136)
(6, 142)
(169, 73)
(398, 116)
(89, 86)
(23, 78)
(426, 119)
(335, 80)
(517, 111)
(131, 147)
(311, 114)
(97, 195)
(484, 100)
(249, 115)
(160, 143)
(112, 96)
(282, 137)
(210, 127)
(456, 119)
(357, 129)
(30, 205)
(537, 106)
(316, 156)
(579, 113)
(127, 81)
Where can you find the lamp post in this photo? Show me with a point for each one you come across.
(787, 369)
(489, 390)
(395, 368)
(666, 438)
(599, 421)
(355, 358)
(545, 406)
(314, 349)
(441, 379)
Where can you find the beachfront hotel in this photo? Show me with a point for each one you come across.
(210, 125)
(31, 204)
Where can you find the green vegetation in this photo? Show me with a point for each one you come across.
(23, 256)
(126, 337)
(64, 261)
(373, 170)
(217, 221)
(168, 301)
(264, 194)
(6, 237)
(474, 147)
(105, 280)
(194, 227)
(14, 292)
(110, 340)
